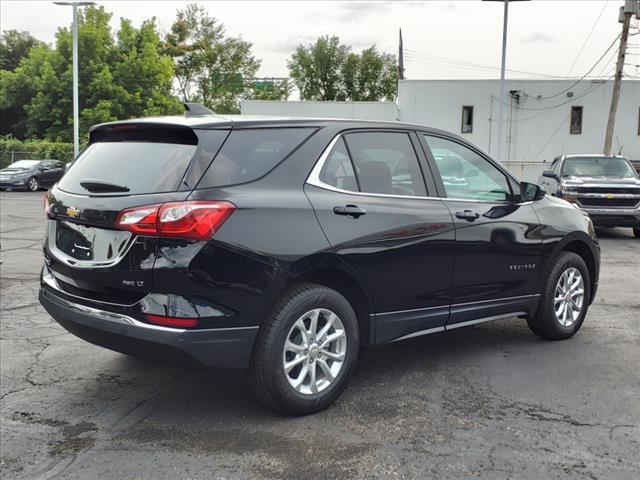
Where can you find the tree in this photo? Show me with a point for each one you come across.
(270, 89)
(14, 46)
(209, 67)
(120, 77)
(329, 71)
(317, 69)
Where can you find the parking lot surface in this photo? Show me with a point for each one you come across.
(490, 401)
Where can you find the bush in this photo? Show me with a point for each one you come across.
(12, 149)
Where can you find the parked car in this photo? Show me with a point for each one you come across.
(606, 187)
(31, 174)
(287, 246)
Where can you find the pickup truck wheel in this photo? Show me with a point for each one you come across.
(305, 351)
(636, 232)
(564, 299)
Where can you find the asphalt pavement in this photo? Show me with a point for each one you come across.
(491, 401)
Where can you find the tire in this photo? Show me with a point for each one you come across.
(33, 184)
(267, 377)
(636, 232)
(546, 323)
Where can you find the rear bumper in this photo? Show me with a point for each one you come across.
(218, 347)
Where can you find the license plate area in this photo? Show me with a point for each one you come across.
(86, 246)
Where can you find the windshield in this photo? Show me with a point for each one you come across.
(598, 167)
(24, 164)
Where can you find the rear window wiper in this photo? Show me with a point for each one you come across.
(98, 186)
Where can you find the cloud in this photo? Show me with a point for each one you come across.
(288, 45)
(538, 37)
(355, 11)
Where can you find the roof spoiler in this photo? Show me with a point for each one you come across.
(196, 110)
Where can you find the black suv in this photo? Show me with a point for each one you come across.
(287, 246)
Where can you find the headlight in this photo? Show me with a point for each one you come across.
(568, 192)
(18, 176)
(569, 188)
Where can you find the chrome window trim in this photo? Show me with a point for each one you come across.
(314, 179)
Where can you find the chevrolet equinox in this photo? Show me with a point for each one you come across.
(287, 246)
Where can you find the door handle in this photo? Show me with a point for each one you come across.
(349, 210)
(467, 215)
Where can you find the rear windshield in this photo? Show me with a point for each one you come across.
(249, 154)
(142, 160)
(598, 167)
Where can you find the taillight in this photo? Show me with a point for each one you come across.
(173, 321)
(47, 206)
(197, 220)
(140, 220)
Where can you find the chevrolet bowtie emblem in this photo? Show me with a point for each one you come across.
(72, 212)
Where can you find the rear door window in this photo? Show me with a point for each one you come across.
(248, 154)
(386, 163)
(142, 159)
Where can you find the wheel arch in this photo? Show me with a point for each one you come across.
(583, 247)
(347, 283)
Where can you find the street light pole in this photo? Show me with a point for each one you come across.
(76, 103)
(505, 21)
(76, 114)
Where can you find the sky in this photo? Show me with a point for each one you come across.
(442, 39)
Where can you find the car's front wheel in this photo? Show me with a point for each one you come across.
(33, 184)
(564, 299)
(305, 351)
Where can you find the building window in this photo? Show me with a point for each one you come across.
(467, 119)
(576, 121)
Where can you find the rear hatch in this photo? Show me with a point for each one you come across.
(125, 165)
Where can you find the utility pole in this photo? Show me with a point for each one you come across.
(630, 8)
(400, 58)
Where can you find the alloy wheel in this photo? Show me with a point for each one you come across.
(33, 184)
(314, 351)
(569, 297)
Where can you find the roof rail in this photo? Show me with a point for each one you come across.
(196, 110)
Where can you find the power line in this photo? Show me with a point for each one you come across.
(552, 136)
(588, 37)
(586, 74)
(422, 57)
(549, 108)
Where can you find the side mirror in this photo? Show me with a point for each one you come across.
(550, 174)
(530, 192)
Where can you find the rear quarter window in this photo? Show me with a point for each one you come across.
(248, 154)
